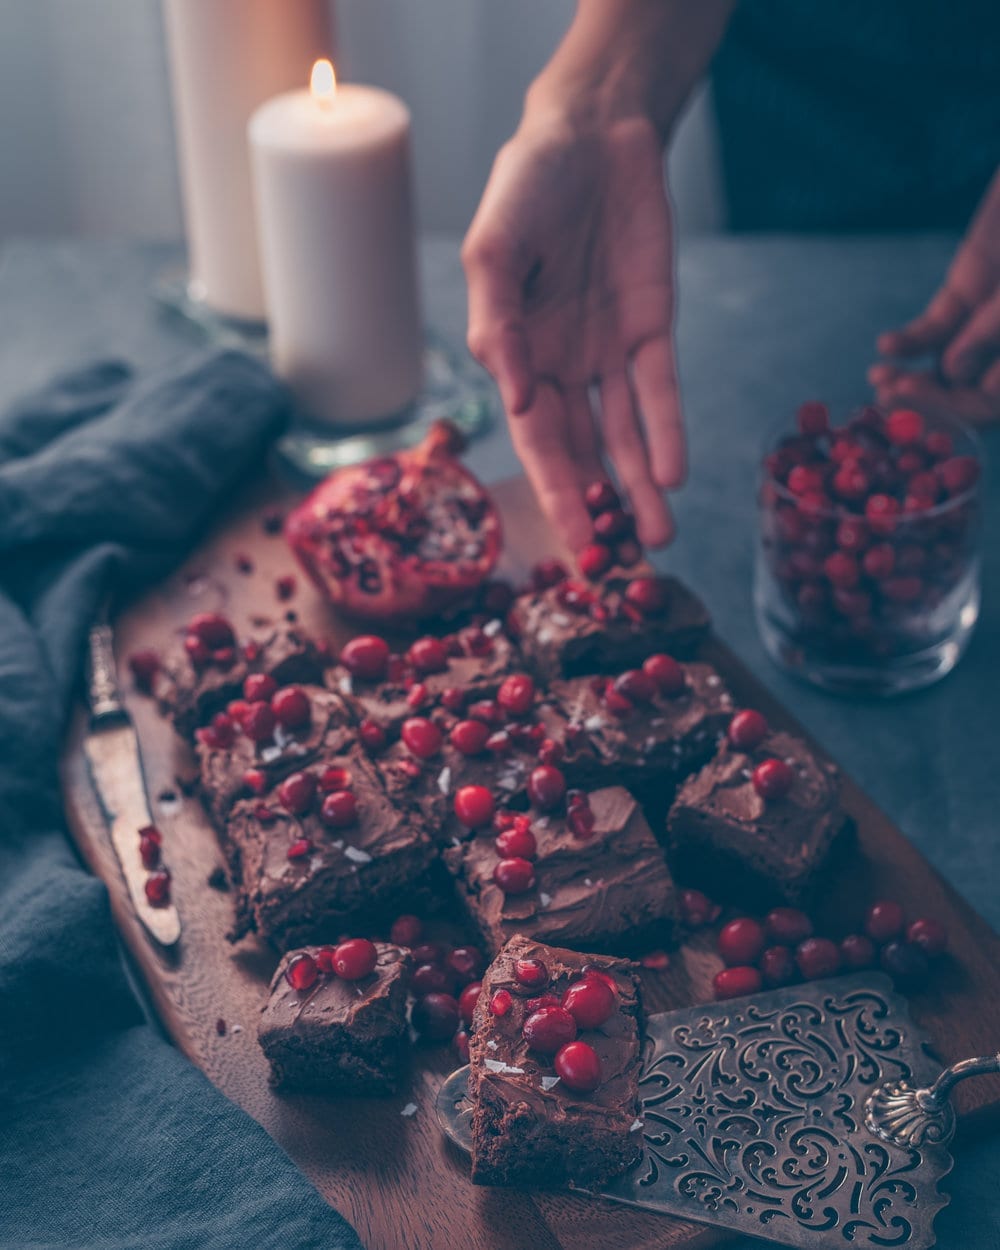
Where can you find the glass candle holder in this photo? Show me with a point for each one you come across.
(867, 576)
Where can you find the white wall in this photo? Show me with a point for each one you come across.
(86, 145)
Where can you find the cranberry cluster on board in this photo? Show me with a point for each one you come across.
(445, 984)
(867, 528)
(351, 960)
(264, 710)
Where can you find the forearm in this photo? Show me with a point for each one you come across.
(620, 57)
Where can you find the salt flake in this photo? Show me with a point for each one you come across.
(549, 1081)
(409, 1109)
(357, 855)
(498, 1065)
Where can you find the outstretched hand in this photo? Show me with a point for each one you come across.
(569, 267)
(960, 329)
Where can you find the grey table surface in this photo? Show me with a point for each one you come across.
(764, 323)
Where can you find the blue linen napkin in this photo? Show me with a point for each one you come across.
(108, 1136)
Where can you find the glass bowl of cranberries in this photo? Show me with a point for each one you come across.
(868, 562)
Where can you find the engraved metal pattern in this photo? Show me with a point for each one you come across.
(901, 1113)
(103, 694)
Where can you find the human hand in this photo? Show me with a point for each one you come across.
(569, 267)
(960, 326)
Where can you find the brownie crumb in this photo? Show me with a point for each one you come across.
(220, 1027)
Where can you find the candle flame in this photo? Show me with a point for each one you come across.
(323, 83)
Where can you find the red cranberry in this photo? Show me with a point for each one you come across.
(422, 737)
(406, 930)
(649, 594)
(467, 1001)
(613, 525)
(198, 652)
(857, 951)
(930, 935)
(301, 971)
(366, 657)
(501, 1003)
(666, 673)
(813, 419)
(548, 573)
(144, 666)
(461, 1042)
(805, 479)
(852, 534)
(299, 849)
(417, 695)
(939, 444)
(431, 979)
(736, 982)
(590, 1002)
(697, 909)
(594, 560)
(531, 973)
(516, 694)
(925, 486)
(428, 953)
(436, 1017)
(514, 875)
(223, 731)
(474, 806)
(324, 959)
(617, 703)
(741, 941)
(905, 963)
(788, 925)
(841, 569)
(543, 1000)
(334, 778)
(486, 710)
(903, 589)
(516, 843)
(354, 959)
(777, 966)
(428, 655)
(259, 688)
(465, 962)
(600, 497)
(911, 462)
(453, 700)
(881, 512)
(636, 685)
(371, 735)
(551, 752)
(291, 707)
(215, 631)
(904, 426)
(473, 642)
(549, 1029)
(879, 561)
(546, 787)
(817, 957)
(296, 793)
(469, 736)
(339, 809)
(236, 710)
(578, 1067)
(884, 920)
(772, 779)
(747, 730)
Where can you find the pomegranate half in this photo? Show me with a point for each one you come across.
(403, 536)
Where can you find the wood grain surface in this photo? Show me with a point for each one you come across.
(394, 1175)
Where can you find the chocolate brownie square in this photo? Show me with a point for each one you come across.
(724, 835)
(297, 878)
(528, 1126)
(191, 694)
(603, 886)
(224, 767)
(338, 1036)
(573, 629)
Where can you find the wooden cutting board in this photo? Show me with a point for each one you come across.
(392, 1173)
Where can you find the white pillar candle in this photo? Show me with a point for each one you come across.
(227, 57)
(331, 168)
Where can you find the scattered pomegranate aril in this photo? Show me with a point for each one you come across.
(551, 752)
(514, 875)
(578, 1067)
(649, 594)
(772, 779)
(436, 1017)
(817, 957)
(299, 849)
(531, 973)
(788, 925)
(842, 570)
(214, 630)
(371, 736)
(777, 966)
(736, 982)
(367, 657)
(417, 696)
(301, 972)
(149, 848)
(501, 1003)
(600, 497)
(613, 525)
(884, 920)
(542, 1000)
(198, 652)
(453, 700)
(637, 685)
(929, 934)
(882, 514)
(339, 809)
(516, 844)
(546, 787)
(581, 821)
(334, 778)
(467, 1001)
(469, 736)
(422, 737)
(747, 730)
(291, 707)
(594, 560)
(474, 806)
(591, 1002)
(297, 792)
(547, 573)
(516, 695)
(144, 666)
(549, 1029)
(655, 961)
(741, 941)
(428, 655)
(857, 951)
(259, 688)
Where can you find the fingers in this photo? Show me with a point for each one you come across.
(882, 375)
(585, 445)
(542, 440)
(924, 391)
(654, 374)
(496, 334)
(976, 345)
(626, 447)
(930, 331)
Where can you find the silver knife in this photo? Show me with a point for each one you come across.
(112, 750)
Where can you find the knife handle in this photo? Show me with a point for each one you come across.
(103, 693)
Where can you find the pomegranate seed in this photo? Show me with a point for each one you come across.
(334, 778)
(747, 730)
(813, 419)
(264, 814)
(436, 1017)
(516, 844)
(657, 961)
(777, 966)
(549, 1029)
(548, 573)
(144, 666)
(581, 821)
(884, 920)
(501, 1003)
(486, 710)
(578, 1067)
(843, 449)
(773, 778)
(649, 594)
(301, 972)
(817, 957)
(299, 849)
(736, 982)
(197, 651)
(637, 685)
(788, 925)
(149, 850)
(600, 497)
(224, 657)
(467, 1001)
(371, 735)
(879, 561)
(428, 655)
(499, 743)
(904, 426)
(453, 699)
(214, 630)
(546, 787)
(417, 695)
(474, 806)
(406, 930)
(291, 707)
(614, 525)
(422, 737)
(628, 553)
(324, 959)
(224, 730)
(516, 694)
(910, 462)
(259, 688)
(930, 935)
(531, 973)
(543, 1000)
(366, 657)
(514, 875)
(431, 979)
(296, 793)
(354, 959)
(857, 951)
(469, 736)
(741, 941)
(591, 1002)
(666, 673)
(236, 710)
(617, 704)
(551, 752)
(339, 810)
(906, 964)
(594, 560)
(697, 909)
